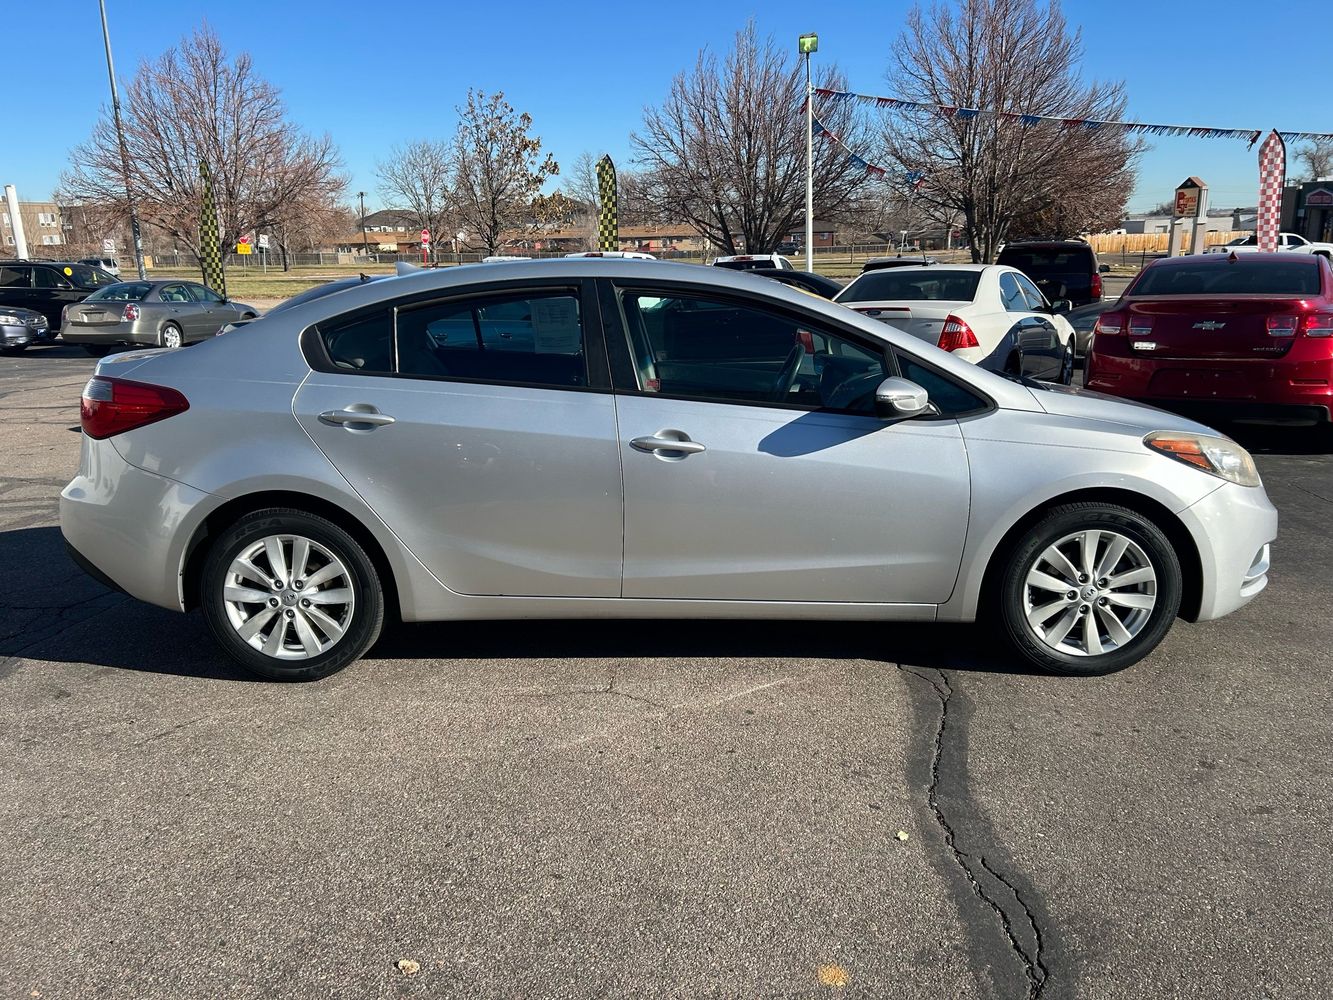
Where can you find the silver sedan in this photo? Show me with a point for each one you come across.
(20, 328)
(161, 313)
(578, 439)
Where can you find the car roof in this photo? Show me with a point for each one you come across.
(1048, 243)
(942, 267)
(1232, 260)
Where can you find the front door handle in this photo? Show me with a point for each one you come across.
(357, 417)
(669, 441)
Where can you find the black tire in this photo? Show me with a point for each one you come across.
(16, 349)
(1056, 525)
(97, 350)
(366, 614)
(1067, 364)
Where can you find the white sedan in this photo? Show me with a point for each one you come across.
(988, 314)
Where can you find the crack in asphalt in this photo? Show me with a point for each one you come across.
(1010, 911)
(1306, 489)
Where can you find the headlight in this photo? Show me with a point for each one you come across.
(9, 319)
(1218, 456)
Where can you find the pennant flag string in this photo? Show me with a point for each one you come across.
(820, 129)
(1251, 136)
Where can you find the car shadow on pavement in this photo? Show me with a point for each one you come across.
(1263, 439)
(59, 614)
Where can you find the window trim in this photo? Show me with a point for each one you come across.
(317, 357)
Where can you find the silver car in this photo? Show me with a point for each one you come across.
(20, 328)
(578, 439)
(163, 313)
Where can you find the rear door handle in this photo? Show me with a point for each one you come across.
(678, 442)
(357, 417)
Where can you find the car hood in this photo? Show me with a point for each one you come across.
(1075, 401)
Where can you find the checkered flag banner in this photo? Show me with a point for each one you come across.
(1272, 175)
(608, 226)
(210, 243)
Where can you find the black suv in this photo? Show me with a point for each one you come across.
(1062, 269)
(47, 286)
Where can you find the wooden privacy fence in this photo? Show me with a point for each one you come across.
(1104, 243)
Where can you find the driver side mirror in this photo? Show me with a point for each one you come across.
(1061, 306)
(901, 399)
(1104, 269)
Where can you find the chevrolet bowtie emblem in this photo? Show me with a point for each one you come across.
(1209, 325)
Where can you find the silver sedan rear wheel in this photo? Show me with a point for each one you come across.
(171, 336)
(1090, 592)
(289, 597)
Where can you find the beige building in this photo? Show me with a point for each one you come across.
(42, 227)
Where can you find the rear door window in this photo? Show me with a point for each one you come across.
(48, 277)
(527, 339)
(15, 277)
(1010, 294)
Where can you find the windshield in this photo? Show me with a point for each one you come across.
(924, 284)
(1253, 276)
(1053, 261)
(128, 291)
(88, 277)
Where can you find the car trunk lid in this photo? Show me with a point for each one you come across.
(923, 319)
(96, 313)
(1203, 327)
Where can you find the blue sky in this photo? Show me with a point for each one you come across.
(585, 71)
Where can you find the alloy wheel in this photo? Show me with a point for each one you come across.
(171, 336)
(289, 597)
(1090, 593)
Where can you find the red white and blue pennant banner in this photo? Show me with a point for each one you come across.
(913, 177)
(1251, 136)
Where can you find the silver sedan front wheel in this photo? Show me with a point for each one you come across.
(1089, 588)
(1090, 592)
(289, 597)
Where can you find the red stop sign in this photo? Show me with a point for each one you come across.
(425, 236)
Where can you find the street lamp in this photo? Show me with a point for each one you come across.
(365, 244)
(124, 153)
(805, 45)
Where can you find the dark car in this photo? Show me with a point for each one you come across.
(1248, 336)
(48, 286)
(885, 263)
(1083, 319)
(807, 281)
(1062, 269)
(789, 247)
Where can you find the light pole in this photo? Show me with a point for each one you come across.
(365, 244)
(807, 44)
(124, 153)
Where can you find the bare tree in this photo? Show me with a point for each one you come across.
(1012, 57)
(194, 103)
(726, 151)
(1318, 158)
(499, 170)
(417, 177)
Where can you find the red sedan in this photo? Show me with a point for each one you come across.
(1236, 336)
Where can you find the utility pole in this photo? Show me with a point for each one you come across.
(807, 44)
(124, 153)
(364, 242)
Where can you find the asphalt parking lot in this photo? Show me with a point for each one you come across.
(668, 808)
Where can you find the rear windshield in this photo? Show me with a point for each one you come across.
(1036, 259)
(1252, 277)
(129, 291)
(913, 286)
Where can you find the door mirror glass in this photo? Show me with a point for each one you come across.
(901, 399)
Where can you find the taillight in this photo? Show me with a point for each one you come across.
(1096, 285)
(1319, 325)
(115, 405)
(956, 335)
(131, 312)
(1108, 325)
(1140, 326)
(1282, 326)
